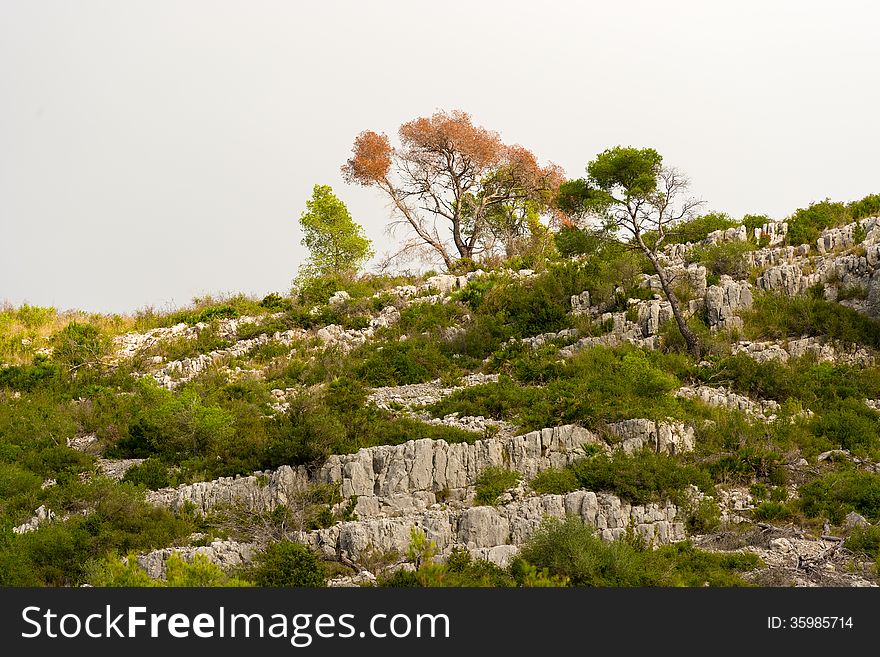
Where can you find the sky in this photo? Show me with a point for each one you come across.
(155, 151)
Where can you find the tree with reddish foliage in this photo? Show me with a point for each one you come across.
(453, 183)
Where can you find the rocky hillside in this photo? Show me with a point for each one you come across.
(452, 429)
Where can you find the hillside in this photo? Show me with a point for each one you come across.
(500, 427)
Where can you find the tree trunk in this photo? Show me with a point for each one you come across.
(693, 342)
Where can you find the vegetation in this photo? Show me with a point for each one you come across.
(571, 549)
(630, 191)
(492, 482)
(463, 174)
(288, 564)
(336, 244)
(68, 397)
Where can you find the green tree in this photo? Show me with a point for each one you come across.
(638, 199)
(337, 245)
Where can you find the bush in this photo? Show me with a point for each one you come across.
(866, 207)
(571, 549)
(753, 221)
(202, 572)
(492, 482)
(703, 517)
(595, 386)
(571, 241)
(641, 477)
(770, 511)
(77, 345)
(864, 540)
(25, 378)
(152, 474)
(58, 553)
(805, 225)
(288, 564)
(835, 494)
(556, 481)
(698, 228)
(723, 258)
(778, 316)
(415, 360)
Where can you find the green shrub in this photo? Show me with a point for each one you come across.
(274, 302)
(698, 228)
(415, 360)
(571, 241)
(556, 481)
(641, 477)
(866, 207)
(753, 221)
(851, 425)
(805, 225)
(78, 345)
(703, 517)
(492, 482)
(835, 494)
(777, 317)
(854, 291)
(723, 258)
(570, 549)
(595, 386)
(24, 378)
(288, 564)
(207, 340)
(864, 540)
(58, 553)
(770, 511)
(152, 473)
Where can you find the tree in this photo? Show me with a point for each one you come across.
(337, 245)
(450, 172)
(631, 191)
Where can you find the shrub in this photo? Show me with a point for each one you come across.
(723, 258)
(770, 511)
(77, 345)
(25, 378)
(416, 360)
(703, 517)
(152, 474)
(866, 207)
(698, 228)
(864, 540)
(851, 425)
(58, 553)
(753, 221)
(777, 316)
(202, 572)
(492, 482)
(639, 478)
(835, 494)
(274, 302)
(597, 385)
(288, 564)
(572, 550)
(854, 291)
(571, 241)
(556, 481)
(805, 224)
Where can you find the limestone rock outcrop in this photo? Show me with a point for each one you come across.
(725, 300)
(396, 479)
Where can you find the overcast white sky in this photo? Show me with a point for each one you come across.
(151, 151)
